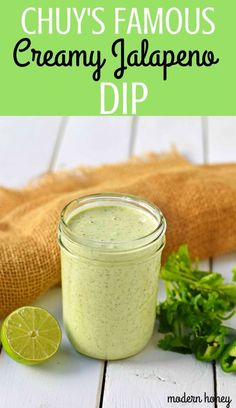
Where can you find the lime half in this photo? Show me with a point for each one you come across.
(30, 335)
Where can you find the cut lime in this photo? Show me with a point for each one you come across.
(30, 335)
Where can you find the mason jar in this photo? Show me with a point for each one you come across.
(111, 247)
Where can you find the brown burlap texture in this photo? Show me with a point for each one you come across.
(199, 203)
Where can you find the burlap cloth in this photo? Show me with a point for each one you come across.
(199, 203)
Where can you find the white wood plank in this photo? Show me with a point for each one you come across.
(226, 382)
(161, 133)
(67, 380)
(221, 139)
(26, 146)
(222, 148)
(148, 379)
(94, 140)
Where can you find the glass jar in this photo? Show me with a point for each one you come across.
(109, 289)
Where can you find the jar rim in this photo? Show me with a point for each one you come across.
(122, 198)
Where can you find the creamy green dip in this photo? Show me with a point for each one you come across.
(109, 279)
(112, 223)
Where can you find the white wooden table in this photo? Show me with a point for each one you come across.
(30, 146)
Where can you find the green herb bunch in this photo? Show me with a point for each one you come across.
(196, 307)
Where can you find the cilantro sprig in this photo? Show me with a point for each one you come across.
(197, 304)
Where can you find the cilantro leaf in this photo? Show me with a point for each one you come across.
(196, 305)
